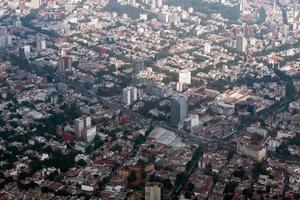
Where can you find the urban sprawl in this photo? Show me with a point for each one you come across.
(149, 99)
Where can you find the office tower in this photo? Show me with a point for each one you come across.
(24, 52)
(179, 108)
(5, 38)
(138, 67)
(84, 129)
(241, 44)
(184, 77)
(129, 95)
(207, 48)
(152, 191)
(87, 121)
(179, 87)
(242, 6)
(41, 44)
(133, 94)
(79, 127)
(90, 133)
(65, 64)
(191, 122)
(126, 96)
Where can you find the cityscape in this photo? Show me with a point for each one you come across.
(149, 99)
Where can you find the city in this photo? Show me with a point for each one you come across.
(149, 99)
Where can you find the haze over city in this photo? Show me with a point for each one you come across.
(149, 99)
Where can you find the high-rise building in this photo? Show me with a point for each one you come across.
(84, 129)
(24, 52)
(207, 48)
(40, 44)
(129, 95)
(152, 191)
(179, 87)
(90, 133)
(79, 127)
(241, 5)
(5, 38)
(184, 76)
(179, 108)
(241, 44)
(87, 121)
(138, 67)
(65, 64)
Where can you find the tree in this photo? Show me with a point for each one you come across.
(139, 139)
(143, 174)
(89, 149)
(35, 165)
(208, 169)
(167, 183)
(81, 162)
(188, 195)
(290, 89)
(180, 178)
(247, 193)
(116, 147)
(259, 168)
(131, 177)
(53, 175)
(230, 155)
(240, 173)
(230, 187)
(148, 131)
(97, 142)
(191, 187)
(61, 161)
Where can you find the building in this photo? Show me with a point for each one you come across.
(79, 127)
(65, 64)
(5, 38)
(143, 17)
(185, 77)
(242, 6)
(129, 95)
(191, 122)
(161, 90)
(241, 44)
(252, 144)
(179, 87)
(40, 44)
(90, 133)
(179, 109)
(138, 68)
(35, 4)
(163, 17)
(24, 52)
(84, 129)
(207, 48)
(152, 191)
